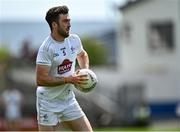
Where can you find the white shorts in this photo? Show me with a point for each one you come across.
(49, 118)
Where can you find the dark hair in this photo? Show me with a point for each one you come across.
(53, 13)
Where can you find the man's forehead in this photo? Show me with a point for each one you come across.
(64, 16)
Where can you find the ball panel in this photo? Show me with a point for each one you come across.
(91, 83)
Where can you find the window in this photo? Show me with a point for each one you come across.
(160, 37)
(126, 32)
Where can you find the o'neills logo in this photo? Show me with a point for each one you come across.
(65, 66)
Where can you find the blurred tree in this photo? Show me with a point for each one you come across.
(4, 55)
(5, 59)
(96, 51)
(4, 66)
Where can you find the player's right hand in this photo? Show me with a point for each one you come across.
(80, 79)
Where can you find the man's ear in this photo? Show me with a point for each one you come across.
(54, 24)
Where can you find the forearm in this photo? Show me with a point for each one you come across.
(83, 60)
(50, 81)
(53, 81)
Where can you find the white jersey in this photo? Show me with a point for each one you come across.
(61, 56)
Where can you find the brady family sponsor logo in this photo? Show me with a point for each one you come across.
(65, 66)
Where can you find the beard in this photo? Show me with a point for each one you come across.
(63, 33)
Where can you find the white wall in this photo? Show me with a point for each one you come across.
(161, 72)
(135, 54)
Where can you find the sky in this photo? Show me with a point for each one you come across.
(80, 10)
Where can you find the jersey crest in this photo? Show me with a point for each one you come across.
(65, 66)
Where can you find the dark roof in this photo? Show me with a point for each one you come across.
(130, 3)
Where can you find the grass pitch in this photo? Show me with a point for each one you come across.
(137, 129)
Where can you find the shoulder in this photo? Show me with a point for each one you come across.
(74, 37)
(46, 45)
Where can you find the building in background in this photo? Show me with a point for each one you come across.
(145, 85)
(149, 51)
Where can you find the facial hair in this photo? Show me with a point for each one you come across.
(61, 32)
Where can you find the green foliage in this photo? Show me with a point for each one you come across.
(4, 55)
(96, 51)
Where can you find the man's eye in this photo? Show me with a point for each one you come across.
(66, 20)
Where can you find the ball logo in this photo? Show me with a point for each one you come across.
(64, 67)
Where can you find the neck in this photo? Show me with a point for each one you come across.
(57, 37)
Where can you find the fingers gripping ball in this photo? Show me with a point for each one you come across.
(90, 83)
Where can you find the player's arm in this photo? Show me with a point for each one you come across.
(83, 59)
(44, 79)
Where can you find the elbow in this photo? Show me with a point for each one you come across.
(40, 81)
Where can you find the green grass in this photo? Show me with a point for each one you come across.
(141, 129)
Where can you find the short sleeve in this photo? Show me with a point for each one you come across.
(79, 45)
(44, 57)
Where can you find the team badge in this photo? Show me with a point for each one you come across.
(72, 50)
(65, 66)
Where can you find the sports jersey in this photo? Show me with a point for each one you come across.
(61, 57)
